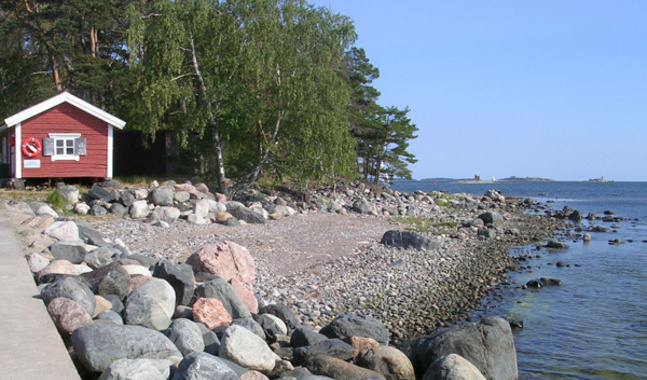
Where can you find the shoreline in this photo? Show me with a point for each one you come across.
(410, 291)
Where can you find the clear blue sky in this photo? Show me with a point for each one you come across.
(551, 88)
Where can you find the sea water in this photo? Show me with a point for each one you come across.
(593, 326)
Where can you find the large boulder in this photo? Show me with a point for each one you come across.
(221, 290)
(98, 346)
(181, 278)
(63, 231)
(162, 196)
(186, 335)
(489, 345)
(151, 305)
(69, 193)
(72, 251)
(68, 315)
(338, 369)
(389, 361)
(243, 213)
(56, 267)
(226, 260)
(139, 209)
(100, 193)
(203, 366)
(304, 336)
(406, 239)
(138, 369)
(245, 293)
(73, 288)
(364, 207)
(331, 347)
(245, 348)
(166, 214)
(102, 256)
(347, 325)
(492, 218)
(453, 367)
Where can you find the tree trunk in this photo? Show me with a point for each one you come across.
(217, 142)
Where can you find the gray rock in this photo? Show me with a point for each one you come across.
(304, 336)
(111, 316)
(554, 244)
(102, 256)
(389, 361)
(36, 262)
(128, 198)
(247, 215)
(100, 193)
(270, 327)
(181, 196)
(69, 193)
(364, 207)
(73, 252)
(251, 325)
(246, 349)
(63, 231)
(203, 366)
(231, 222)
(221, 290)
(338, 369)
(489, 345)
(162, 196)
(118, 210)
(486, 233)
(117, 305)
(331, 347)
(151, 305)
(186, 335)
(201, 208)
(139, 209)
(492, 218)
(98, 346)
(98, 210)
(166, 214)
(347, 325)
(138, 369)
(210, 339)
(89, 235)
(282, 311)
(453, 367)
(406, 239)
(73, 288)
(181, 278)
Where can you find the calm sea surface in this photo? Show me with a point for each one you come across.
(594, 326)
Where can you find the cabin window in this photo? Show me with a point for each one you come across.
(64, 146)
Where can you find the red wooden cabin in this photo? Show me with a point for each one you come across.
(61, 137)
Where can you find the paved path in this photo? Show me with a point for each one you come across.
(30, 346)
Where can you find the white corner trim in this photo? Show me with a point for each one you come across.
(64, 97)
(110, 151)
(18, 151)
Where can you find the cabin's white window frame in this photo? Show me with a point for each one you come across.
(65, 138)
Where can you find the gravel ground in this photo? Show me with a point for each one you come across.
(322, 264)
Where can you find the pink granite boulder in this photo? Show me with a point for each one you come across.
(245, 294)
(211, 313)
(68, 315)
(226, 260)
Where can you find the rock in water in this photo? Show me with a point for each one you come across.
(151, 305)
(99, 346)
(453, 367)
(405, 239)
(347, 325)
(489, 345)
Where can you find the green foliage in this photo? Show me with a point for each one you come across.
(56, 200)
(422, 224)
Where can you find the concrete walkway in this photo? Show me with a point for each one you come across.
(30, 346)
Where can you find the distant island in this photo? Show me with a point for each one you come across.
(527, 179)
(601, 179)
(478, 180)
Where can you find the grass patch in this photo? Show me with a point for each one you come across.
(421, 224)
(56, 200)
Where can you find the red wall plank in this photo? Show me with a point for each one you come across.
(66, 118)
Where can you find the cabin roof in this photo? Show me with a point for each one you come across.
(64, 97)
